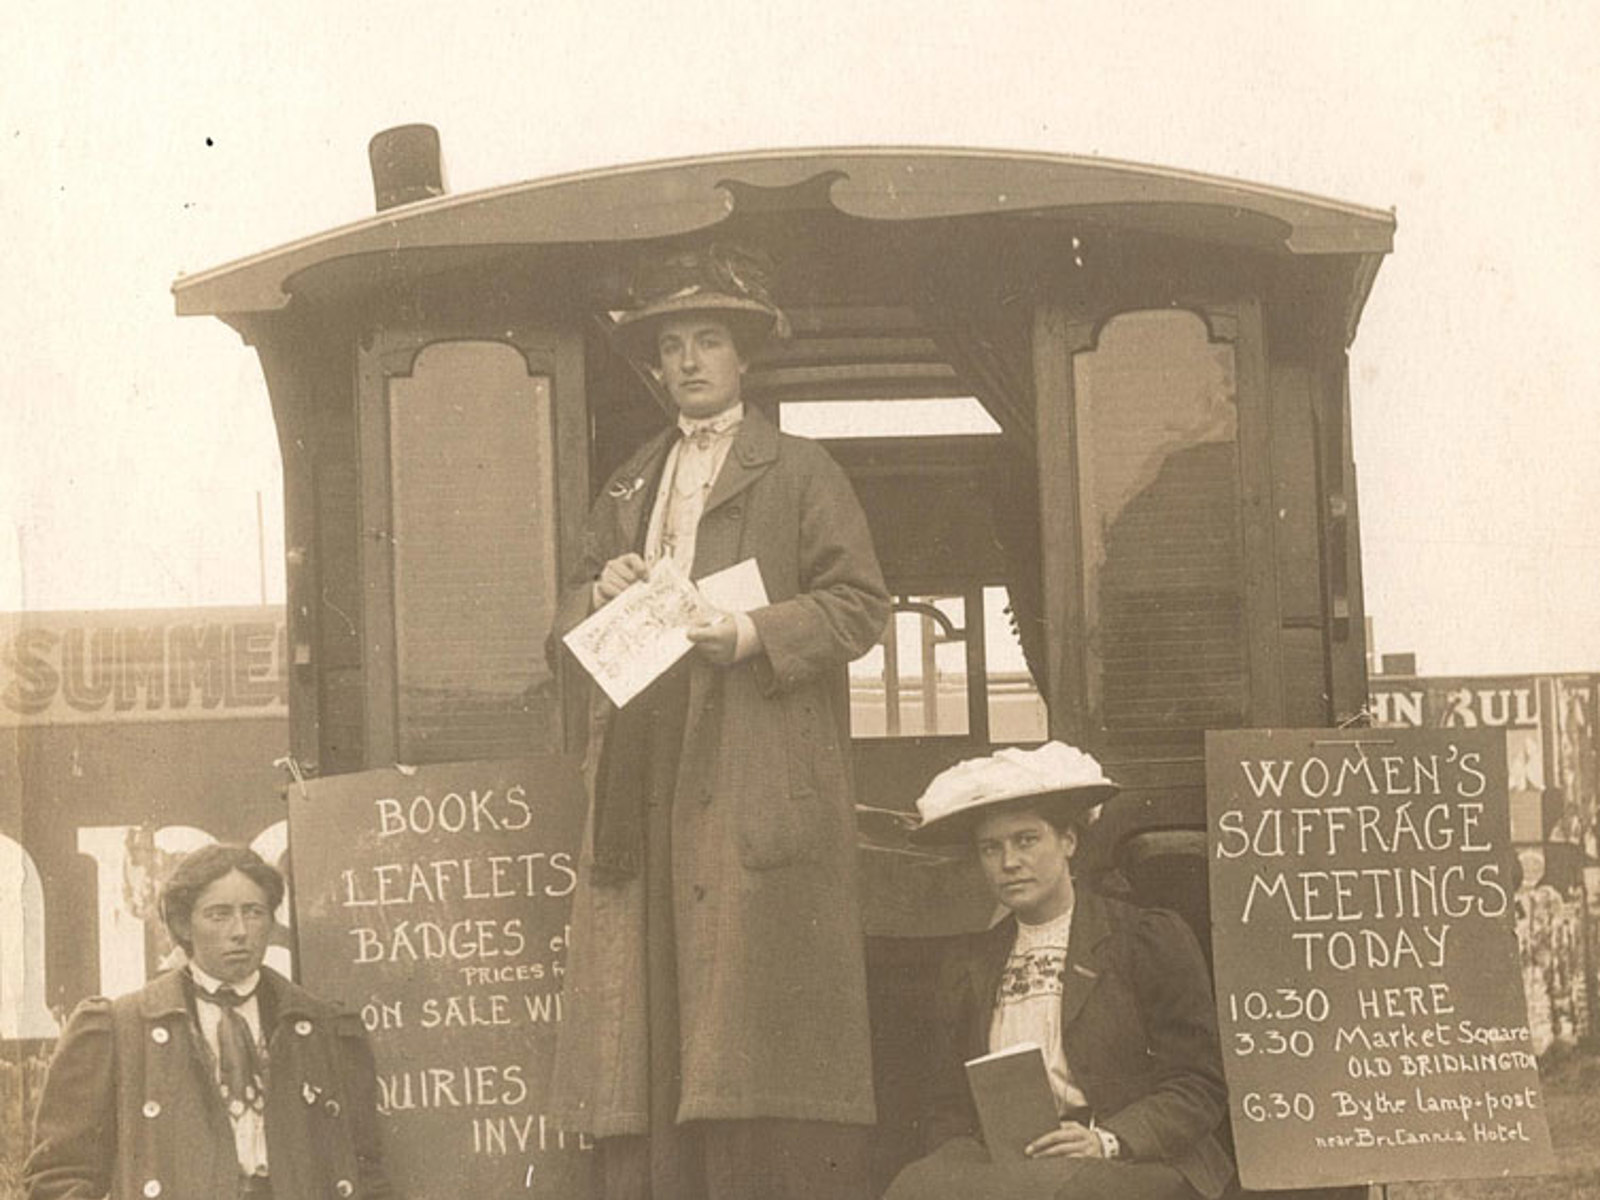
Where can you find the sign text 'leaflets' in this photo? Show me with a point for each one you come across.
(1368, 989)
(434, 902)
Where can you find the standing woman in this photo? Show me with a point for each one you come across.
(219, 1079)
(715, 1038)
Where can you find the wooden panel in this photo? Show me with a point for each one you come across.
(1164, 557)
(1264, 670)
(572, 455)
(1299, 550)
(1294, 497)
(377, 545)
(1170, 640)
(921, 541)
(849, 353)
(338, 552)
(472, 487)
(825, 349)
(1346, 636)
(465, 522)
(281, 348)
(864, 320)
(343, 704)
(1054, 418)
(1305, 696)
(1350, 650)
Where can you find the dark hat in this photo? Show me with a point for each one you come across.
(727, 282)
(1054, 777)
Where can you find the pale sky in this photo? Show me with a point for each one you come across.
(142, 141)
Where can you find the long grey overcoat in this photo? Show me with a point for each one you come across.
(772, 990)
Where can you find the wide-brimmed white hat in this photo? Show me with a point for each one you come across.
(1052, 775)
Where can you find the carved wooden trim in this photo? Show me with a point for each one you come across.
(398, 350)
(1085, 327)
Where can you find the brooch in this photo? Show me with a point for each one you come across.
(623, 490)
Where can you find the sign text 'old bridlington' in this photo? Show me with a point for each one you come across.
(1368, 987)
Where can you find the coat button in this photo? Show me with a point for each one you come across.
(332, 1107)
(345, 1188)
(159, 1036)
(152, 1108)
(303, 1028)
(152, 1188)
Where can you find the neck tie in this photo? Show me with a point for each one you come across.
(236, 1053)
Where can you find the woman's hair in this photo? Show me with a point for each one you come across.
(200, 870)
(1056, 810)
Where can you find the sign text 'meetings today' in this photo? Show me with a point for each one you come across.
(1368, 986)
(1415, 821)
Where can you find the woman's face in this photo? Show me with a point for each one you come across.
(1027, 863)
(700, 365)
(230, 927)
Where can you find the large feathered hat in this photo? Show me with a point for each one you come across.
(729, 282)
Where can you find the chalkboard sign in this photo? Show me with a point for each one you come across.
(434, 902)
(1369, 994)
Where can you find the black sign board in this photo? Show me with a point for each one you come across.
(1369, 992)
(434, 902)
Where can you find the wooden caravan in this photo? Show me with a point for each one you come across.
(1097, 413)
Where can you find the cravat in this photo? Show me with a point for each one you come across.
(693, 471)
(236, 1053)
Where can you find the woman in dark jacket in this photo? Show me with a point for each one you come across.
(1117, 998)
(217, 1079)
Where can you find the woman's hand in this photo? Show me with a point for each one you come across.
(718, 640)
(1072, 1139)
(617, 575)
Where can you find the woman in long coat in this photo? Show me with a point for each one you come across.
(747, 892)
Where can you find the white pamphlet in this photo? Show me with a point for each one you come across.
(735, 589)
(630, 642)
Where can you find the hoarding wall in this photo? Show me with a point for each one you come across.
(126, 738)
(1552, 744)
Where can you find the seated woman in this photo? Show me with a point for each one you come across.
(1118, 997)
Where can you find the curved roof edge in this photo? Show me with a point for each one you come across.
(679, 196)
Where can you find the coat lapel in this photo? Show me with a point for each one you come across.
(754, 449)
(633, 491)
(1089, 929)
(989, 966)
(165, 997)
(169, 1003)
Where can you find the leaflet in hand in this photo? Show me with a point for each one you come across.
(631, 641)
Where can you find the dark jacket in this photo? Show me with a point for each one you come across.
(771, 980)
(1137, 1024)
(130, 1107)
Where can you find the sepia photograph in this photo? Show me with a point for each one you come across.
(892, 602)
